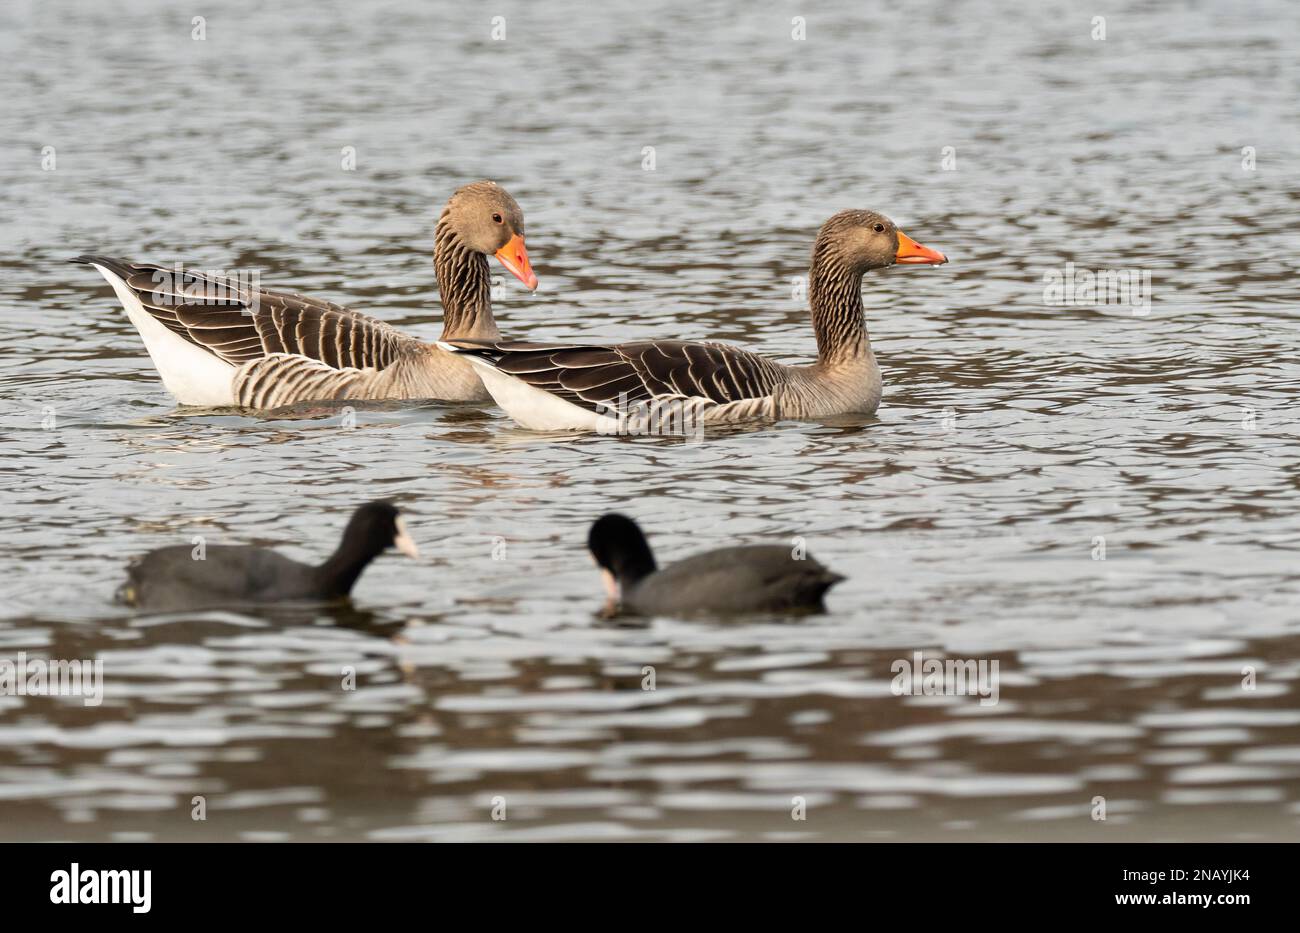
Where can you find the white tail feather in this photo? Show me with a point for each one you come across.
(193, 375)
(531, 407)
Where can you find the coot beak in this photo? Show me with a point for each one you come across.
(912, 252)
(402, 541)
(515, 258)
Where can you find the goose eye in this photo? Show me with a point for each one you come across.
(879, 228)
(496, 218)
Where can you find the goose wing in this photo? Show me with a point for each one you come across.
(602, 376)
(239, 324)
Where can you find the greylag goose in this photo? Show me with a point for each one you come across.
(217, 342)
(172, 578)
(651, 386)
(762, 578)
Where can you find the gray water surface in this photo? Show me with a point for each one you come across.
(1016, 438)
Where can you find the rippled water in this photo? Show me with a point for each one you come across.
(1014, 435)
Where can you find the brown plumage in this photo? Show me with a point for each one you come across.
(637, 387)
(267, 349)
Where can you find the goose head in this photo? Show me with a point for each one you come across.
(486, 219)
(861, 240)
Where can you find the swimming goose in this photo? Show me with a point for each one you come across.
(660, 386)
(174, 578)
(762, 578)
(216, 341)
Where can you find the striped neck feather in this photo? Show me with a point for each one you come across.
(835, 297)
(465, 287)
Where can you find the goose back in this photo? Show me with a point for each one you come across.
(238, 324)
(634, 383)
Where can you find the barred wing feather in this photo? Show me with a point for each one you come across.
(602, 376)
(239, 324)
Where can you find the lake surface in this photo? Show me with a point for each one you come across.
(1017, 439)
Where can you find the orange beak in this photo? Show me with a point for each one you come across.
(910, 251)
(515, 258)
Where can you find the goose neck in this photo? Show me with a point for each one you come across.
(835, 297)
(466, 287)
